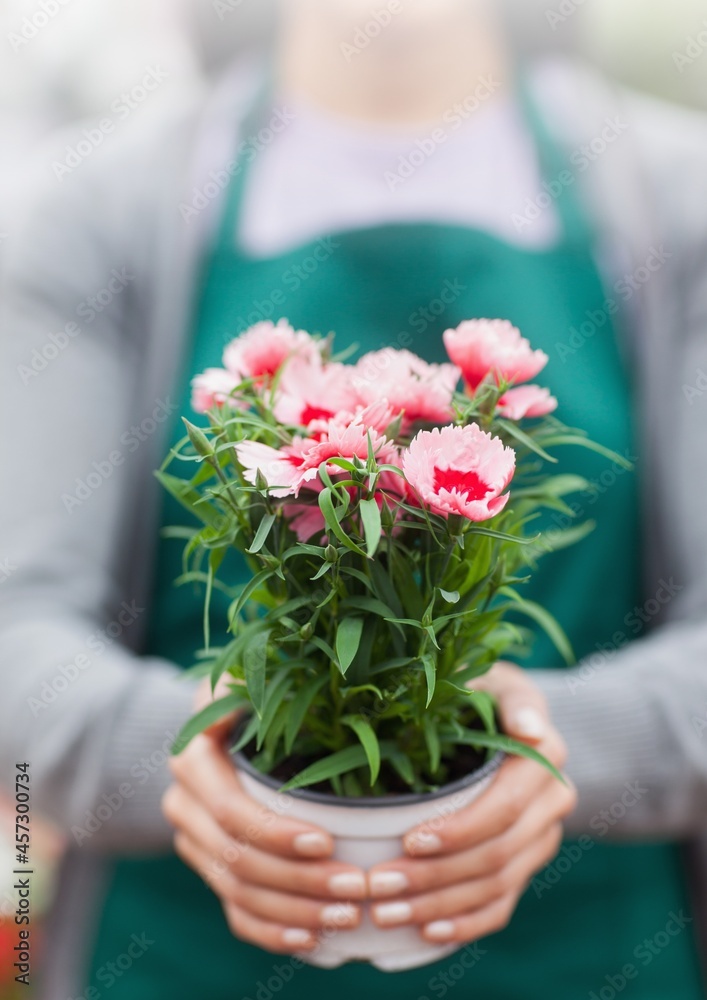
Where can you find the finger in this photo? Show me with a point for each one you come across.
(479, 923)
(522, 707)
(473, 926)
(464, 897)
(266, 904)
(208, 772)
(297, 911)
(272, 937)
(408, 876)
(307, 878)
(518, 783)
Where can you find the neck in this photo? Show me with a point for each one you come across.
(413, 70)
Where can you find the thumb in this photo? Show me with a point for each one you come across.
(522, 707)
(220, 730)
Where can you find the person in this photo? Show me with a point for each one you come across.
(387, 184)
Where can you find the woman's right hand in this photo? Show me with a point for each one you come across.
(273, 874)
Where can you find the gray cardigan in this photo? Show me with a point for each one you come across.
(96, 299)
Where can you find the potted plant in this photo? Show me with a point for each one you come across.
(386, 517)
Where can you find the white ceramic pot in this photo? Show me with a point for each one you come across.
(368, 832)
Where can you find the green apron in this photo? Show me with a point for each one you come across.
(599, 906)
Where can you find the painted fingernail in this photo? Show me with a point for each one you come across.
(440, 930)
(393, 913)
(423, 842)
(388, 883)
(294, 937)
(340, 914)
(529, 722)
(347, 884)
(311, 845)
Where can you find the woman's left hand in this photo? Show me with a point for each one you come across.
(464, 873)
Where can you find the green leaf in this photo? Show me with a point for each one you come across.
(261, 534)
(432, 741)
(501, 535)
(371, 520)
(326, 505)
(348, 638)
(248, 590)
(522, 438)
(190, 499)
(450, 596)
(581, 441)
(299, 707)
(428, 663)
(369, 742)
(214, 712)
(276, 692)
(497, 741)
(255, 657)
(247, 735)
(545, 620)
(215, 560)
(556, 486)
(336, 763)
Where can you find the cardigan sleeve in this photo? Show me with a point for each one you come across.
(93, 719)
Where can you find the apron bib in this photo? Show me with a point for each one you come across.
(586, 916)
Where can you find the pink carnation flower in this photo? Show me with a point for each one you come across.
(460, 470)
(263, 349)
(423, 392)
(311, 390)
(286, 470)
(212, 388)
(493, 348)
(526, 401)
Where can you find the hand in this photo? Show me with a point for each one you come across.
(271, 873)
(464, 873)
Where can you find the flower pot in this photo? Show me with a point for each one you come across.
(368, 832)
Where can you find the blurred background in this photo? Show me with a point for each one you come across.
(70, 59)
(65, 60)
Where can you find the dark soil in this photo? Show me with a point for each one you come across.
(465, 762)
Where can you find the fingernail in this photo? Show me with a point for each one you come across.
(340, 914)
(296, 938)
(423, 842)
(311, 845)
(393, 913)
(346, 884)
(529, 722)
(387, 883)
(440, 930)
